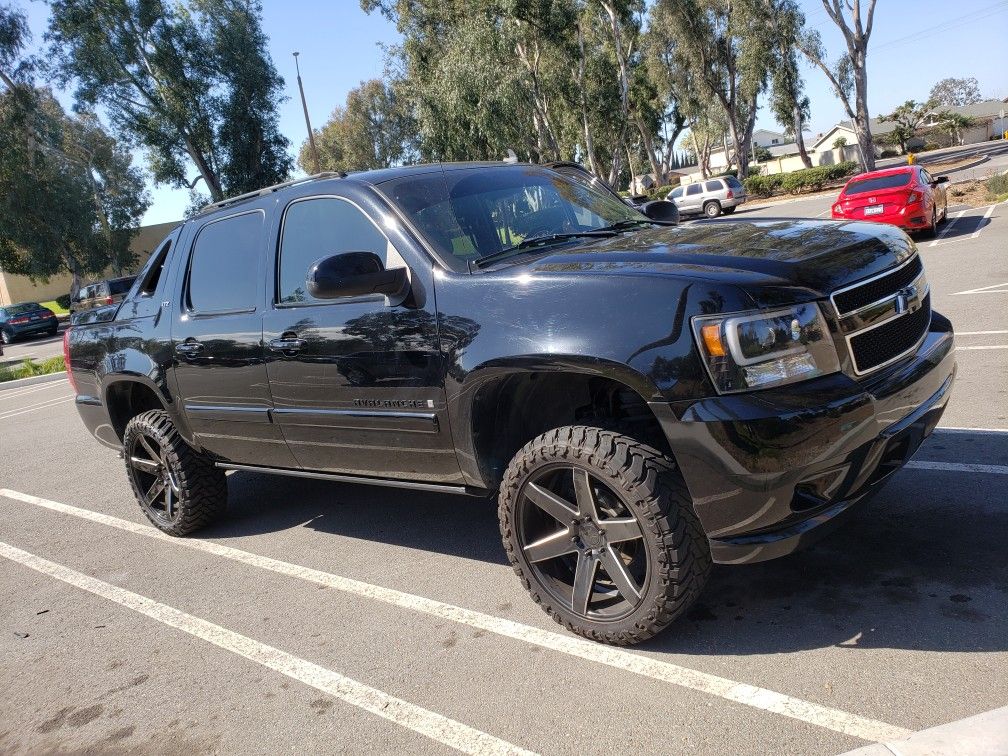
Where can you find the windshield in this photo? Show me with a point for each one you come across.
(120, 285)
(23, 307)
(475, 212)
(875, 183)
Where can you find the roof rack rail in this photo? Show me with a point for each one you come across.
(267, 190)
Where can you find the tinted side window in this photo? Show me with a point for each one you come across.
(224, 268)
(693, 189)
(316, 228)
(734, 183)
(151, 274)
(676, 193)
(713, 186)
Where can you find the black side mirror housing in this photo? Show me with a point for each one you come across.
(662, 211)
(941, 179)
(355, 274)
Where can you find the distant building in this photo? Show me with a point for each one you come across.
(15, 288)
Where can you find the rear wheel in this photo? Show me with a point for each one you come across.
(601, 531)
(178, 489)
(712, 209)
(6, 336)
(932, 230)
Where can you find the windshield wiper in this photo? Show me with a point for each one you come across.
(537, 241)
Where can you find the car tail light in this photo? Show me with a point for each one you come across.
(108, 300)
(913, 197)
(19, 321)
(837, 209)
(731, 194)
(66, 360)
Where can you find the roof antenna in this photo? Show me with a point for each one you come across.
(511, 158)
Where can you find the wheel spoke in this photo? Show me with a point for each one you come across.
(146, 465)
(168, 499)
(584, 579)
(559, 509)
(584, 494)
(550, 547)
(622, 529)
(618, 574)
(154, 491)
(150, 450)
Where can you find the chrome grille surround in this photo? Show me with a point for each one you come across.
(903, 301)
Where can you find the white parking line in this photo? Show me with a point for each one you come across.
(987, 215)
(948, 227)
(960, 429)
(13, 393)
(749, 695)
(980, 348)
(958, 467)
(1001, 288)
(428, 723)
(34, 407)
(979, 333)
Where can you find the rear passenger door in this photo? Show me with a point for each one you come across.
(692, 196)
(357, 382)
(217, 342)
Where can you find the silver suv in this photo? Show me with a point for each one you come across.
(710, 197)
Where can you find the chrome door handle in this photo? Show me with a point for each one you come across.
(189, 348)
(286, 344)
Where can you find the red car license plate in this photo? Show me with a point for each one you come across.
(874, 210)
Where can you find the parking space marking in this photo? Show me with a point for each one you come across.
(428, 723)
(763, 699)
(980, 348)
(961, 429)
(948, 227)
(1001, 288)
(980, 225)
(979, 333)
(34, 407)
(958, 467)
(13, 393)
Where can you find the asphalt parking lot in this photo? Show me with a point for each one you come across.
(320, 617)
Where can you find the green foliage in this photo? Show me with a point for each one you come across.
(30, 368)
(191, 83)
(812, 179)
(907, 119)
(952, 91)
(373, 130)
(997, 184)
(69, 195)
(60, 305)
(839, 143)
(761, 154)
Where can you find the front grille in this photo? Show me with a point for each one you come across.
(875, 347)
(853, 299)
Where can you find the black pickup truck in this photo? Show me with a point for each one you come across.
(644, 398)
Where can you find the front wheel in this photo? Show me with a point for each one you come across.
(601, 531)
(712, 209)
(6, 336)
(178, 489)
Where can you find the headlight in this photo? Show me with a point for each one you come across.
(757, 350)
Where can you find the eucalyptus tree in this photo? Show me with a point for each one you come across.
(190, 82)
(790, 106)
(849, 75)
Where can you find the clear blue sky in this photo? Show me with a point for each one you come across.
(914, 43)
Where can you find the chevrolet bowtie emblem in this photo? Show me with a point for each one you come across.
(905, 298)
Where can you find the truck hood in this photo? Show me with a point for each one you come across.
(763, 257)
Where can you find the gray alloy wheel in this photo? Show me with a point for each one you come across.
(6, 336)
(712, 209)
(179, 490)
(601, 530)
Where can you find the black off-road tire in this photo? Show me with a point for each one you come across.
(652, 488)
(202, 496)
(712, 208)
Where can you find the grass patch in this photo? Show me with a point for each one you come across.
(997, 187)
(56, 307)
(30, 368)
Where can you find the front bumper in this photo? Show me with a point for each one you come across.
(773, 470)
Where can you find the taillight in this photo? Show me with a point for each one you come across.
(731, 194)
(66, 360)
(837, 209)
(913, 197)
(108, 300)
(19, 321)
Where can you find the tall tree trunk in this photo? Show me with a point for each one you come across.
(864, 135)
(588, 136)
(799, 125)
(649, 148)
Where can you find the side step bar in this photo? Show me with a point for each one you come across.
(361, 479)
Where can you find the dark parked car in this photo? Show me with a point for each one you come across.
(101, 293)
(26, 319)
(643, 399)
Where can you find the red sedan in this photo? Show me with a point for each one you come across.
(907, 196)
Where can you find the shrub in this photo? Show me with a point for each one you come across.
(63, 301)
(890, 153)
(931, 146)
(997, 184)
(30, 368)
(816, 177)
(763, 185)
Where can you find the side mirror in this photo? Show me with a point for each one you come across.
(354, 274)
(941, 179)
(662, 211)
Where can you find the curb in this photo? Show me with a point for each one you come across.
(979, 735)
(48, 378)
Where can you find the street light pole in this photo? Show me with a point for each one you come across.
(304, 106)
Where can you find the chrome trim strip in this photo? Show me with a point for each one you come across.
(432, 416)
(865, 281)
(857, 371)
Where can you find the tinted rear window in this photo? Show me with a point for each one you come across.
(713, 186)
(120, 285)
(20, 309)
(877, 183)
(734, 183)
